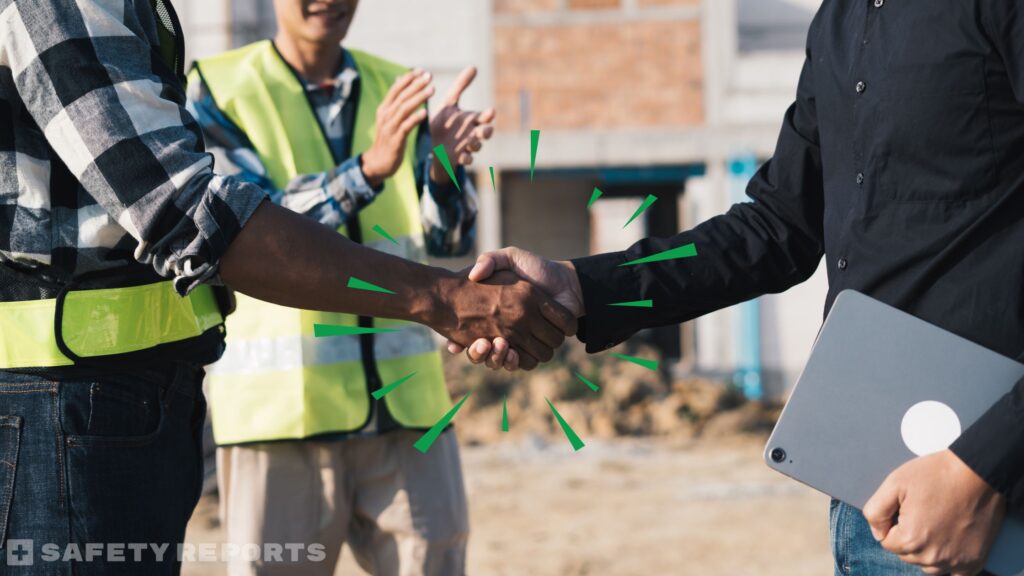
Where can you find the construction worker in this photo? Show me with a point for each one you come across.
(114, 232)
(342, 137)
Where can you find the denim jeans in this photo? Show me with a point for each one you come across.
(856, 552)
(99, 474)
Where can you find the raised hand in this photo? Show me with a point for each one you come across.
(935, 512)
(397, 116)
(557, 279)
(507, 307)
(461, 132)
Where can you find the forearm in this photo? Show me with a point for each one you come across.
(739, 255)
(312, 268)
(994, 446)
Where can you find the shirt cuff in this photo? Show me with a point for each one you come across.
(223, 211)
(604, 281)
(443, 194)
(994, 446)
(351, 171)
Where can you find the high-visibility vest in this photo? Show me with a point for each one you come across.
(100, 325)
(276, 380)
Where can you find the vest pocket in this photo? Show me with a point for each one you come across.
(10, 444)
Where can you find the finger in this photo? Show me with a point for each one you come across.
(418, 83)
(463, 81)
(490, 262)
(412, 122)
(414, 103)
(498, 355)
(532, 345)
(899, 542)
(454, 348)
(478, 352)
(471, 144)
(549, 334)
(512, 361)
(882, 508)
(467, 123)
(483, 132)
(465, 159)
(559, 317)
(527, 362)
(400, 84)
(487, 116)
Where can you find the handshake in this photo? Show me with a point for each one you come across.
(512, 311)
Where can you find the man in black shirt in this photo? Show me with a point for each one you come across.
(902, 163)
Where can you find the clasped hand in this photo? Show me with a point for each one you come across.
(555, 279)
(518, 313)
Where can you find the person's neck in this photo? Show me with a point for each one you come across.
(315, 62)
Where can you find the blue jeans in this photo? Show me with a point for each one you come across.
(99, 474)
(855, 551)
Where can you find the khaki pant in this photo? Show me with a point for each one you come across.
(402, 512)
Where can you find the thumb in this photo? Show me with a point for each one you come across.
(489, 263)
(882, 509)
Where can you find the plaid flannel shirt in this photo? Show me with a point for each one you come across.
(332, 196)
(101, 166)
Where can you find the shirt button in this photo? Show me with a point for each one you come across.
(861, 87)
(879, 3)
(860, 178)
(842, 263)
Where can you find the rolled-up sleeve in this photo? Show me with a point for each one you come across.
(115, 115)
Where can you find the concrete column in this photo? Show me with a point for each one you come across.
(489, 236)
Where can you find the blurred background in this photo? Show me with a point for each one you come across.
(680, 99)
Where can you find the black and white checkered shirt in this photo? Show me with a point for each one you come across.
(101, 166)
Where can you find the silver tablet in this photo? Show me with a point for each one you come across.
(882, 387)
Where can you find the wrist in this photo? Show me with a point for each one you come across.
(575, 289)
(437, 173)
(434, 305)
(373, 176)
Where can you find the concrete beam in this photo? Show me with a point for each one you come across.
(645, 147)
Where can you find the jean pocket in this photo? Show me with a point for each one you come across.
(116, 412)
(10, 445)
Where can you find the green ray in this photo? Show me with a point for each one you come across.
(428, 439)
(594, 196)
(649, 364)
(358, 284)
(589, 384)
(577, 444)
(635, 304)
(493, 184)
(534, 142)
(684, 251)
(440, 154)
(651, 199)
(323, 330)
(504, 413)
(378, 394)
(384, 233)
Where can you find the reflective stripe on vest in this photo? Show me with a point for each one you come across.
(103, 322)
(276, 381)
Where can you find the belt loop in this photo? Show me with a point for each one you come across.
(58, 323)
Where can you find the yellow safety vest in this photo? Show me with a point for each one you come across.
(276, 381)
(106, 322)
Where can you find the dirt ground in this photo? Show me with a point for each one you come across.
(625, 507)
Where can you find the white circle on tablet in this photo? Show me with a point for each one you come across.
(929, 427)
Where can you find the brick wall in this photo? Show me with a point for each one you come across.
(566, 64)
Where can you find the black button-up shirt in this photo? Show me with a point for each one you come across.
(902, 163)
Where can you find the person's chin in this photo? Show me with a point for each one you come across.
(325, 30)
